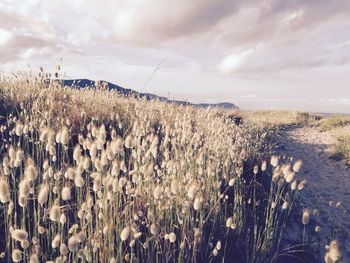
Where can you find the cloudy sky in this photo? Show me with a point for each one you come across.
(259, 54)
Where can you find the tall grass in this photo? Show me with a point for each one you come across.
(93, 176)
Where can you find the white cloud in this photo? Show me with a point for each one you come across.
(4, 36)
(233, 62)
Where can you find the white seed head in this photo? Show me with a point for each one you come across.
(24, 188)
(157, 192)
(16, 255)
(317, 229)
(55, 213)
(306, 217)
(197, 204)
(229, 222)
(174, 186)
(334, 251)
(43, 195)
(218, 245)
(154, 229)
(124, 235)
(64, 249)
(172, 237)
(231, 182)
(297, 166)
(56, 241)
(24, 244)
(64, 138)
(4, 192)
(66, 193)
(79, 181)
(192, 191)
(31, 173)
(274, 161)
(19, 235)
(73, 243)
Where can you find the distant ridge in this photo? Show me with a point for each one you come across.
(86, 83)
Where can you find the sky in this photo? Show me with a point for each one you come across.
(258, 54)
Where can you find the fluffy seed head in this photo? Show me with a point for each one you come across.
(66, 193)
(19, 235)
(334, 251)
(197, 204)
(124, 235)
(73, 244)
(306, 217)
(31, 173)
(79, 181)
(231, 182)
(274, 161)
(43, 195)
(192, 191)
(16, 255)
(64, 249)
(172, 237)
(64, 136)
(4, 192)
(297, 166)
(24, 188)
(154, 229)
(229, 222)
(56, 241)
(174, 186)
(55, 213)
(157, 192)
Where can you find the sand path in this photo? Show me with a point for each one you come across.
(328, 181)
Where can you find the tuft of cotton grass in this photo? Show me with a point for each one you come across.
(55, 213)
(43, 195)
(66, 193)
(197, 204)
(305, 217)
(172, 237)
(274, 161)
(334, 251)
(64, 138)
(24, 188)
(56, 241)
(17, 255)
(64, 249)
(19, 235)
(231, 182)
(297, 166)
(124, 235)
(4, 192)
(73, 244)
(31, 172)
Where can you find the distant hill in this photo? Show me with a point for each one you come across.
(85, 83)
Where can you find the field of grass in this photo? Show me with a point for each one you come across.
(90, 175)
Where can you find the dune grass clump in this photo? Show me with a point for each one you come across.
(279, 118)
(338, 126)
(333, 122)
(89, 175)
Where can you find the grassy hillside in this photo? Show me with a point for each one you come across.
(95, 175)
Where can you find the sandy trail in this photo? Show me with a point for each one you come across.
(328, 180)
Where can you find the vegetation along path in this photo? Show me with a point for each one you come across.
(328, 183)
